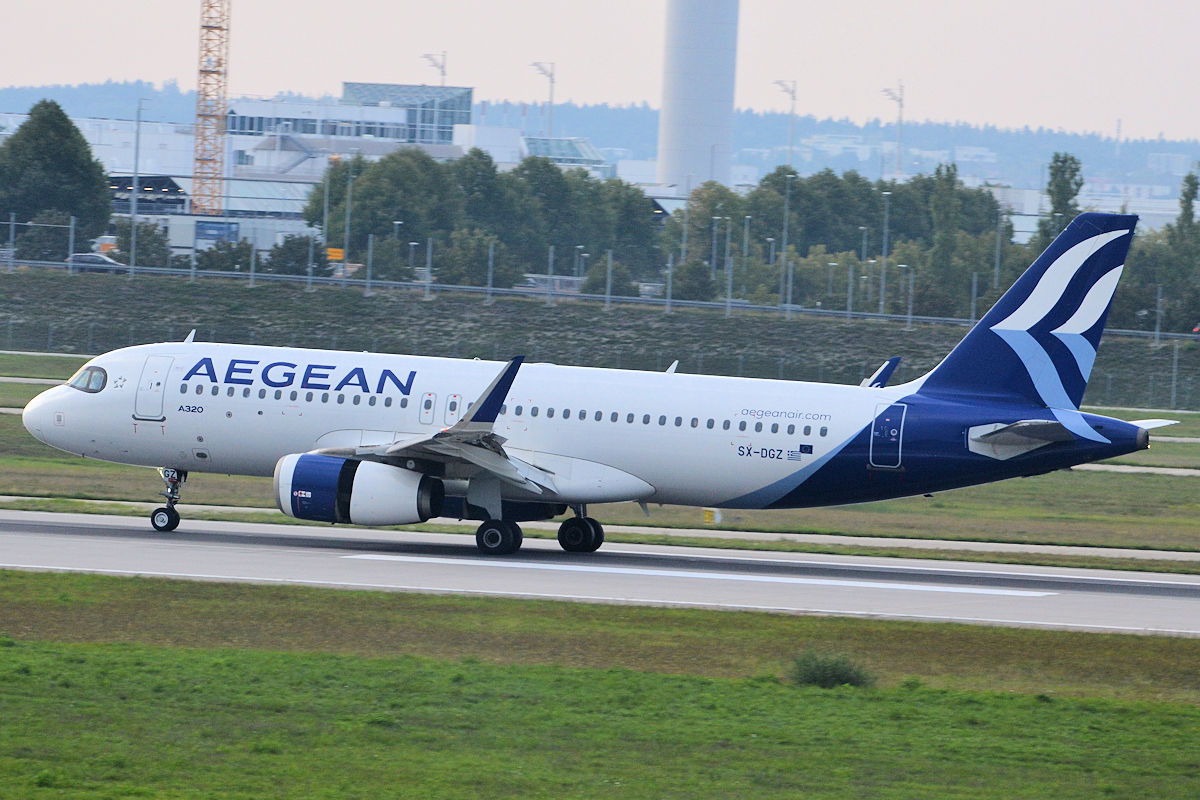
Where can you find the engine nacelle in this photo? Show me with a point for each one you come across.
(330, 489)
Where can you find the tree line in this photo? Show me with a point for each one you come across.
(811, 241)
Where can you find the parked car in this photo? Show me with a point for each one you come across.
(95, 262)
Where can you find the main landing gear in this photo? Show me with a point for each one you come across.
(579, 534)
(167, 518)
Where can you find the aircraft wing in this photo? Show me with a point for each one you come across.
(472, 440)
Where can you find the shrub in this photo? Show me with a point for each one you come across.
(827, 671)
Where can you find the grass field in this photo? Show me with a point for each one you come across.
(118, 687)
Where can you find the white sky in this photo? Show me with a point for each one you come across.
(1072, 64)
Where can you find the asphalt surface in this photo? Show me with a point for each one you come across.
(353, 558)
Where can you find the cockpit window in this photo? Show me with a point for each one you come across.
(89, 379)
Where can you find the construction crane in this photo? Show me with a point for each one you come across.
(208, 164)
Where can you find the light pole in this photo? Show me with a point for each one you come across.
(346, 242)
(728, 267)
(396, 229)
(771, 258)
(829, 288)
(787, 213)
(575, 260)
(789, 88)
(547, 69)
(912, 274)
(412, 246)
(583, 257)
(864, 229)
(133, 197)
(887, 198)
(712, 262)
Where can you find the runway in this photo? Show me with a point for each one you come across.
(353, 558)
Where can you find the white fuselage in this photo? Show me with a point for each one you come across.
(603, 434)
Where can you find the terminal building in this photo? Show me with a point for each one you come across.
(276, 151)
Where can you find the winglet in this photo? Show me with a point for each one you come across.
(881, 376)
(487, 408)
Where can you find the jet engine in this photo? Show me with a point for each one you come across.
(331, 489)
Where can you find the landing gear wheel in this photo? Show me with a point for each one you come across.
(597, 534)
(575, 535)
(165, 519)
(498, 537)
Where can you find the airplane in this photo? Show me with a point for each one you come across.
(384, 439)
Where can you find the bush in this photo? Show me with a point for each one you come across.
(828, 671)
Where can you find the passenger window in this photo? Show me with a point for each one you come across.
(808, 430)
(404, 402)
(183, 389)
(262, 393)
(582, 415)
(503, 409)
(629, 418)
(453, 405)
(695, 422)
(614, 416)
(645, 419)
(725, 425)
(678, 421)
(742, 425)
(428, 404)
(662, 419)
(357, 399)
(294, 395)
(324, 397)
(199, 390)
(230, 392)
(758, 427)
(387, 402)
(278, 394)
(533, 411)
(774, 427)
(566, 413)
(216, 390)
(791, 429)
(246, 392)
(599, 416)
(518, 410)
(824, 431)
(372, 400)
(550, 412)
(341, 399)
(711, 423)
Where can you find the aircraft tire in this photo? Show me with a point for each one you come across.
(164, 519)
(576, 535)
(496, 537)
(597, 535)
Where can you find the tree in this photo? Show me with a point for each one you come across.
(47, 164)
(1063, 185)
(46, 239)
(1187, 202)
(465, 261)
(226, 256)
(692, 281)
(290, 257)
(943, 209)
(154, 249)
(597, 280)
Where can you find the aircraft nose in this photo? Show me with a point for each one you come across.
(37, 416)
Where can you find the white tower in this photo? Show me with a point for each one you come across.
(695, 127)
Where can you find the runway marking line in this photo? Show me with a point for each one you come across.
(694, 574)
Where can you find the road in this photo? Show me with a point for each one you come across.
(1095, 600)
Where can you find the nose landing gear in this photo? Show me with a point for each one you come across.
(167, 518)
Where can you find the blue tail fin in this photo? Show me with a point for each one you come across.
(1037, 344)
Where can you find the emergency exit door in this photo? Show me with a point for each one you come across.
(151, 388)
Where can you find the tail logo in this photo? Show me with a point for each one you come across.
(1046, 297)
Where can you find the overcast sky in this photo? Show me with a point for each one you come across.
(1070, 64)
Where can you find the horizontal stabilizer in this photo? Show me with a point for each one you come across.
(1003, 441)
(1150, 424)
